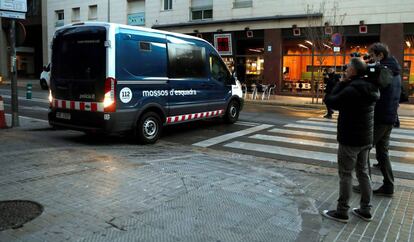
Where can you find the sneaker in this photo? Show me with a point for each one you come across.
(383, 192)
(376, 165)
(356, 189)
(364, 216)
(334, 215)
(328, 116)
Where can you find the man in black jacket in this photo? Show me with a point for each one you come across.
(355, 99)
(330, 80)
(385, 116)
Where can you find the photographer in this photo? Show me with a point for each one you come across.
(355, 99)
(330, 79)
(385, 114)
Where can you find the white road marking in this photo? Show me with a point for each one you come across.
(34, 108)
(29, 118)
(226, 137)
(321, 128)
(251, 124)
(393, 153)
(305, 154)
(331, 136)
(24, 99)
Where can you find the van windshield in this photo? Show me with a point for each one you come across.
(79, 54)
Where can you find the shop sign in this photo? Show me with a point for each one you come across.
(223, 44)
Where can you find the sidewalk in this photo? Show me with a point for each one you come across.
(306, 102)
(93, 191)
(22, 83)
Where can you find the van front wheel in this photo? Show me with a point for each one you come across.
(149, 128)
(232, 113)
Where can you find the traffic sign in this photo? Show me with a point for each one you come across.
(336, 39)
(14, 5)
(8, 14)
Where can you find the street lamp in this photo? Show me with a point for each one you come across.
(109, 11)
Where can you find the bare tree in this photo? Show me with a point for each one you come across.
(318, 34)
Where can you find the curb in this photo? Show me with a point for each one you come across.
(273, 103)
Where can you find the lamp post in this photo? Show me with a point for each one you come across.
(109, 11)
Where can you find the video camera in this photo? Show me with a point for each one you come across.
(373, 68)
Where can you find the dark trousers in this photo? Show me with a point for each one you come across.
(382, 133)
(329, 111)
(350, 157)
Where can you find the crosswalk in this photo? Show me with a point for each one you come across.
(311, 139)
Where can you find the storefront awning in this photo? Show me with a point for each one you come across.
(240, 20)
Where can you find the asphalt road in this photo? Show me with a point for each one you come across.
(280, 132)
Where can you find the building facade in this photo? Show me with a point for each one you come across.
(265, 41)
(29, 50)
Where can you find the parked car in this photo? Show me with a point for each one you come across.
(113, 78)
(45, 77)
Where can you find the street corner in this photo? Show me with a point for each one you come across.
(27, 123)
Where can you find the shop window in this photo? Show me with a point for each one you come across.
(75, 14)
(297, 61)
(408, 65)
(186, 61)
(167, 4)
(93, 12)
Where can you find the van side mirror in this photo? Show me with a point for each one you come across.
(231, 80)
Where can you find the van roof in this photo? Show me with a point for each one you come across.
(115, 25)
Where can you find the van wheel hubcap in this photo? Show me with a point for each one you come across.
(150, 128)
(233, 111)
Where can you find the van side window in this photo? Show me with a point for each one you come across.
(186, 61)
(218, 70)
(137, 58)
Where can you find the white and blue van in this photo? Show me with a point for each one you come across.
(112, 78)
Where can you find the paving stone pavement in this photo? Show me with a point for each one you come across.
(170, 192)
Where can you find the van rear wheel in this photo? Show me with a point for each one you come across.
(43, 84)
(148, 128)
(232, 113)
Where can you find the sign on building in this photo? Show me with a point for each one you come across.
(137, 19)
(13, 9)
(223, 44)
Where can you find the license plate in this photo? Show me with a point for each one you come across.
(63, 115)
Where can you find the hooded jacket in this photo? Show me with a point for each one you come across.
(355, 100)
(387, 105)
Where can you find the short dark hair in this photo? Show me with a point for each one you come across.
(378, 48)
(359, 65)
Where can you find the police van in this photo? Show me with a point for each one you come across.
(112, 78)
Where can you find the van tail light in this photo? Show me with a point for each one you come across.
(109, 99)
(50, 98)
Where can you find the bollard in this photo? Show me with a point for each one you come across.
(29, 91)
(3, 124)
